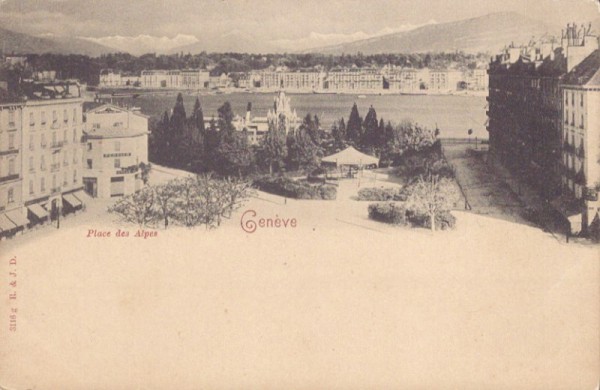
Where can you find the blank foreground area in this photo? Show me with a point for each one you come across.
(325, 306)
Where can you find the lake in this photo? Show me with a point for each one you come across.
(454, 115)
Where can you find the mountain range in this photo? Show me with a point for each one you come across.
(14, 42)
(487, 33)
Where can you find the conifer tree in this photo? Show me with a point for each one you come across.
(353, 129)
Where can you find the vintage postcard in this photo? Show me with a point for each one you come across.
(278, 194)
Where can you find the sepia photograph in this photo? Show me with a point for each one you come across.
(279, 194)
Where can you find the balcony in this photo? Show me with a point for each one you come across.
(54, 167)
(9, 151)
(9, 178)
(128, 170)
(56, 145)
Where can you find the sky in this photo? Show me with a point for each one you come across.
(264, 24)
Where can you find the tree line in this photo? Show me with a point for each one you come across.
(186, 142)
(87, 69)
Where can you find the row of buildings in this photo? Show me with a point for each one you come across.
(50, 155)
(544, 122)
(373, 80)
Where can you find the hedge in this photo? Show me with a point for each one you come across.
(296, 189)
(388, 212)
(380, 194)
(443, 221)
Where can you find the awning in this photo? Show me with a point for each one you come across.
(38, 211)
(351, 156)
(71, 200)
(82, 196)
(6, 224)
(17, 217)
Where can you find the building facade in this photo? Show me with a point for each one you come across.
(354, 80)
(11, 174)
(581, 135)
(116, 143)
(526, 113)
(52, 150)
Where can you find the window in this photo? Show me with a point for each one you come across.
(89, 146)
(54, 139)
(31, 119)
(54, 117)
(74, 135)
(75, 176)
(117, 163)
(42, 184)
(65, 116)
(11, 141)
(95, 126)
(573, 98)
(31, 164)
(75, 157)
(573, 119)
(11, 195)
(66, 158)
(53, 182)
(11, 166)
(65, 136)
(31, 141)
(117, 146)
(30, 187)
(43, 121)
(74, 115)
(89, 163)
(581, 101)
(582, 122)
(43, 140)
(65, 179)
(43, 163)
(11, 118)
(566, 117)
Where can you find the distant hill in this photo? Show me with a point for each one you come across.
(232, 42)
(18, 43)
(482, 34)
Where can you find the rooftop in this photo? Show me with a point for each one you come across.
(586, 73)
(113, 132)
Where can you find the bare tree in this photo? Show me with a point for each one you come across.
(165, 196)
(431, 196)
(137, 208)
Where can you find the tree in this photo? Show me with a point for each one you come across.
(370, 125)
(235, 155)
(137, 208)
(273, 150)
(197, 120)
(302, 151)
(158, 139)
(430, 195)
(176, 135)
(415, 137)
(225, 122)
(145, 172)
(165, 196)
(353, 129)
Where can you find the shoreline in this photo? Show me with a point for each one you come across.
(127, 92)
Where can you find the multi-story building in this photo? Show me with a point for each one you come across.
(52, 150)
(290, 81)
(194, 79)
(357, 79)
(408, 80)
(581, 135)
(12, 213)
(444, 80)
(109, 78)
(525, 114)
(154, 79)
(116, 143)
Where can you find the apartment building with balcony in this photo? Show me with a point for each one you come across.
(527, 112)
(581, 135)
(354, 79)
(116, 143)
(52, 154)
(12, 213)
